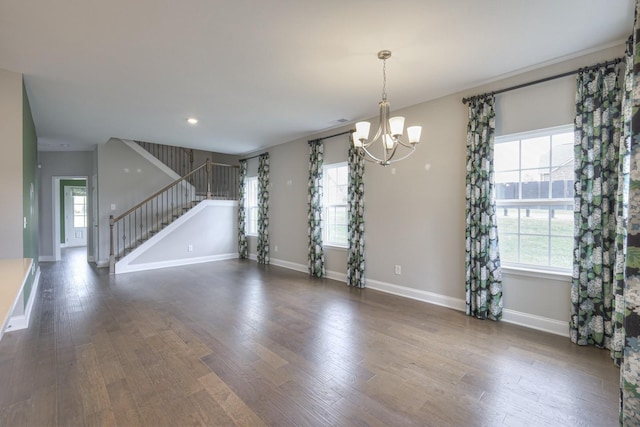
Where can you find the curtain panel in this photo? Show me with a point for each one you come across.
(355, 260)
(263, 209)
(314, 217)
(596, 178)
(243, 250)
(622, 212)
(630, 368)
(483, 272)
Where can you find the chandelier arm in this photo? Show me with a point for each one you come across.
(371, 158)
(403, 157)
(404, 144)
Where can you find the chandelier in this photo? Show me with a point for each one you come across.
(390, 131)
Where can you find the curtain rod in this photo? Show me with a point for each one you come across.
(310, 141)
(253, 157)
(330, 136)
(546, 79)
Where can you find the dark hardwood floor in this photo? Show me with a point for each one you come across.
(234, 343)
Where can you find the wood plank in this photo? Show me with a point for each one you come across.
(234, 343)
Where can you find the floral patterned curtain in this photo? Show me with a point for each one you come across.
(243, 250)
(316, 255)
(630, 368)
(263, 209)
(622, 212)
(596, 162)
(355, 261)
(483, 272)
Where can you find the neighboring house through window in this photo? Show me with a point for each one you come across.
(251, 206)
(534, 198)
(334, 220)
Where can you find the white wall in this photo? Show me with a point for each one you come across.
(66, 164)
(11, 173)
(209, 230)
(415, 217)
(125, 178)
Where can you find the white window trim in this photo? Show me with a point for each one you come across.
(325, 244)
(536, 271)
(247, 207)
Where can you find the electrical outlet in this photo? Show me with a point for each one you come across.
(275, 248)
(190, 248)
(398, 270)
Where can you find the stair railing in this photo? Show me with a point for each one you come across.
(130, 229)
(179, 159)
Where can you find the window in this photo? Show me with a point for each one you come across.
(251, 206)
(79, 206)
(334, 221)
(534, 198)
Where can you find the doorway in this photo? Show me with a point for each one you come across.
(73, 232)
(71, 208)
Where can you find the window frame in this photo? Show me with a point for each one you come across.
(326, 206)
(251, 210)
(521, 268)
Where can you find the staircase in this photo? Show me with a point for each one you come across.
(209, 181)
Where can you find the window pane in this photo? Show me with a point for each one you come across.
(535, 152)
(535, 184)
(562, 181)
(562, 252)
(508, 247)
(535, 250)
(562, 149)
(342, 175)
(341, 215)
(534, 220)
(79, 191)
(79, 221)
(507, 219)
(562, 220)
(506, 156)
(506, 184)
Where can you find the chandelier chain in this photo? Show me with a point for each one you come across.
(384, 79)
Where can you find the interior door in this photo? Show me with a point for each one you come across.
(75, 216)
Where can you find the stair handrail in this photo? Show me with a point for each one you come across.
(159, 192)
(208, 164)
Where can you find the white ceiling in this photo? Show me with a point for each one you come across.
(263, 72)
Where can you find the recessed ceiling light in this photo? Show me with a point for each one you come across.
(192, 120)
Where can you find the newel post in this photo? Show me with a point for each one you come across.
(112, 255)
(208, 170)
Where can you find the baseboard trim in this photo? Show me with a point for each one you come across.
(173, 263)
(333, 275)
(539, 323)
(290, 265)
(19, 322)
(47, 258)
(417, 294)
(519, 318)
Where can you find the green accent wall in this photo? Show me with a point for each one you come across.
(67, 183)
(30, 233)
